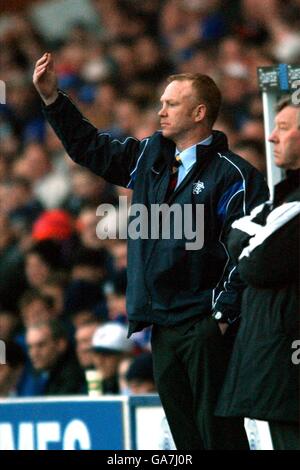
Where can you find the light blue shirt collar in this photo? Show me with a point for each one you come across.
(189, 156)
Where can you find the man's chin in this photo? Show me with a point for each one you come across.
(278, 162)
(166, 133)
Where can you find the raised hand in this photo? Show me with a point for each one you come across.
(45, 78)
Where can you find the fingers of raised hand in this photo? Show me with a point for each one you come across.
(45, 60)
(42, 60)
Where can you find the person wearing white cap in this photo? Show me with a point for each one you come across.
(109, 345)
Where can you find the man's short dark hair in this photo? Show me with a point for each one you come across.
(207, 92)
(49, 251)
(90, 257)
(32, 295)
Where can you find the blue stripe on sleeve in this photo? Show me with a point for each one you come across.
(225, 199)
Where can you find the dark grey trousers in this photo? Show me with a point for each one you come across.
(190, 362)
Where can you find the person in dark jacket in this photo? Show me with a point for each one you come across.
(263, 377)
(182, 284)
(51, 356)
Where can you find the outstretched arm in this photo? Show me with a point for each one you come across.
(116, 161)
(45, 79)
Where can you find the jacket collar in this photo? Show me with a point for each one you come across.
(289, 184)
(167, 150)
(219, 144)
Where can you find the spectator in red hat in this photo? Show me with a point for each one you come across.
(55, 224)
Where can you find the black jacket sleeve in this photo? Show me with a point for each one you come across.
(110, 158)
(269, 257)
(253, 192)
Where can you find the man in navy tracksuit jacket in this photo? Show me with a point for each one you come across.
(189, 295)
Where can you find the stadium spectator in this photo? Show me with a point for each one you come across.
(109, 346)
(86, 225)
(49, 185)
(54, 289)
(20, 204)
(42, 260)
(253, 151)
(53, 224)
(9, 324)
(115, 292)
(12, 278)
(139, 376)
(87, 190)
(51, 354)
(118, 250)
(83, 343)
(35, 306)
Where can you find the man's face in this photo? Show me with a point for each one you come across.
(106, 364)
(179, 110)
(5, 374)
(119, 251)
(43, 349)
(83, 338)
(286, 139)
(37, 271)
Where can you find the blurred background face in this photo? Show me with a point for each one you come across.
(8, 324)
(13, 196)
(43, 350)
(9, 377)
(56, 293)
(37, 271)
(86, 185)
(83, 337)
(119, 252)
(33, 164)
(106, 364)
(116, 305)
(87, 223)
(127, 116)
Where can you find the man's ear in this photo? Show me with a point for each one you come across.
(200, 112)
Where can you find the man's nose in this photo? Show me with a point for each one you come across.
(162, 111)
(272, 137)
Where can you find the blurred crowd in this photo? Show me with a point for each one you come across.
(62, 287)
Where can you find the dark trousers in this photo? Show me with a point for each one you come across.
(285, 436)
(190, 362)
